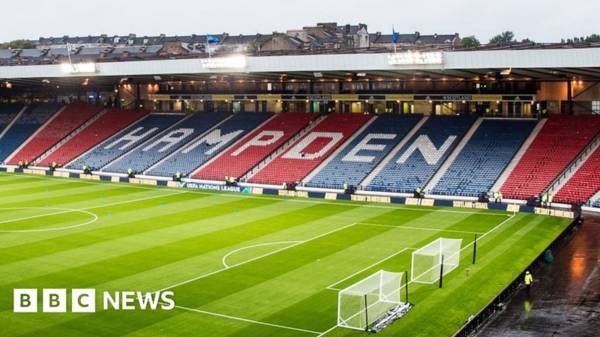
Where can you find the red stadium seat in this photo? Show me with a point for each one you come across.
(107, 125)
(583, 184)
(555, 147)
(238, 160)
(62, 125)
(284, 168)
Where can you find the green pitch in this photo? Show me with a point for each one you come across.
(240, 265)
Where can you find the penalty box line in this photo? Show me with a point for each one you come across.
(256, 258)
(333, 285)
(420, 228)
(252, 321)
(510, 217)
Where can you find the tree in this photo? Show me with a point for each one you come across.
(527, 40)
(470, 42)
(17, 44)
(593, 38)
(506, 37)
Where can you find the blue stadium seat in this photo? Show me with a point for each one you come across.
(7, 114)
(344, 168)
(155, 149)
(200, 150)
(419, 159)
(484, 157)
(31, 120)
(125, 141)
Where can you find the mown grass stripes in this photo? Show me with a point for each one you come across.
(149, 238)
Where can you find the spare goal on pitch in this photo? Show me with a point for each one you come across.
(369, 300)
(427, 261)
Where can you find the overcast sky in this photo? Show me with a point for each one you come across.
(540, 20)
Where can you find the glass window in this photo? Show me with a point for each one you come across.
(596, 107)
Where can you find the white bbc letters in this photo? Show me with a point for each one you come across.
(83, 300)
(25, 300)
(54, 300)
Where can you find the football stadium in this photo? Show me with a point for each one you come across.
(327, 180)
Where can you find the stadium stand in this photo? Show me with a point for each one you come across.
(418, 160)
(352, 165)
(7, 113)
(484, 157)
(309, 151)
(583, 184)
(107, 125)
(165, 143)
(25, 126)
(63, 124)
(595, 201)
(125, 141)
(206, 146)
(256, 146)
(559, 142)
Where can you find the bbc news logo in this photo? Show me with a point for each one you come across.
(84, 300)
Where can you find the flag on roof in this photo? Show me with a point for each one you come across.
(212, 39)
(394, 35)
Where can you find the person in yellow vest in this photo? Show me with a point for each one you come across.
(418, 192)
(500, 197)
(544, 199)
(550, 197)
(528, 280)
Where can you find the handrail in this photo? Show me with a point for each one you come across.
(573, 165)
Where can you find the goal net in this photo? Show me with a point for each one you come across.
(368, 300)
(426, 261)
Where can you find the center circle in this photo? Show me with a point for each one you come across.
(56, 211)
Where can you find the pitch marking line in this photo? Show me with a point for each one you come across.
(332, 286)
(61, 210)
(510, 217)
(419, 228)
(235, 318)
(287, 199)
(255, 258)
(224, 259)
(133, 200)
(49, 229)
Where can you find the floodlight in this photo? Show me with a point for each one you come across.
(229, 62)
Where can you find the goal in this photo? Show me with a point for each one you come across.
(367, 301)
(427, 261)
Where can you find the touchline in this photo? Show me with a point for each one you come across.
(84, 300)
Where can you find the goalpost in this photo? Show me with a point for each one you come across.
(442, 254)
(369, 300)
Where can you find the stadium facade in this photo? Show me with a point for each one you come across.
(328, 108)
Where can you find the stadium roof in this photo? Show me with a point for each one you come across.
(538, 64)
